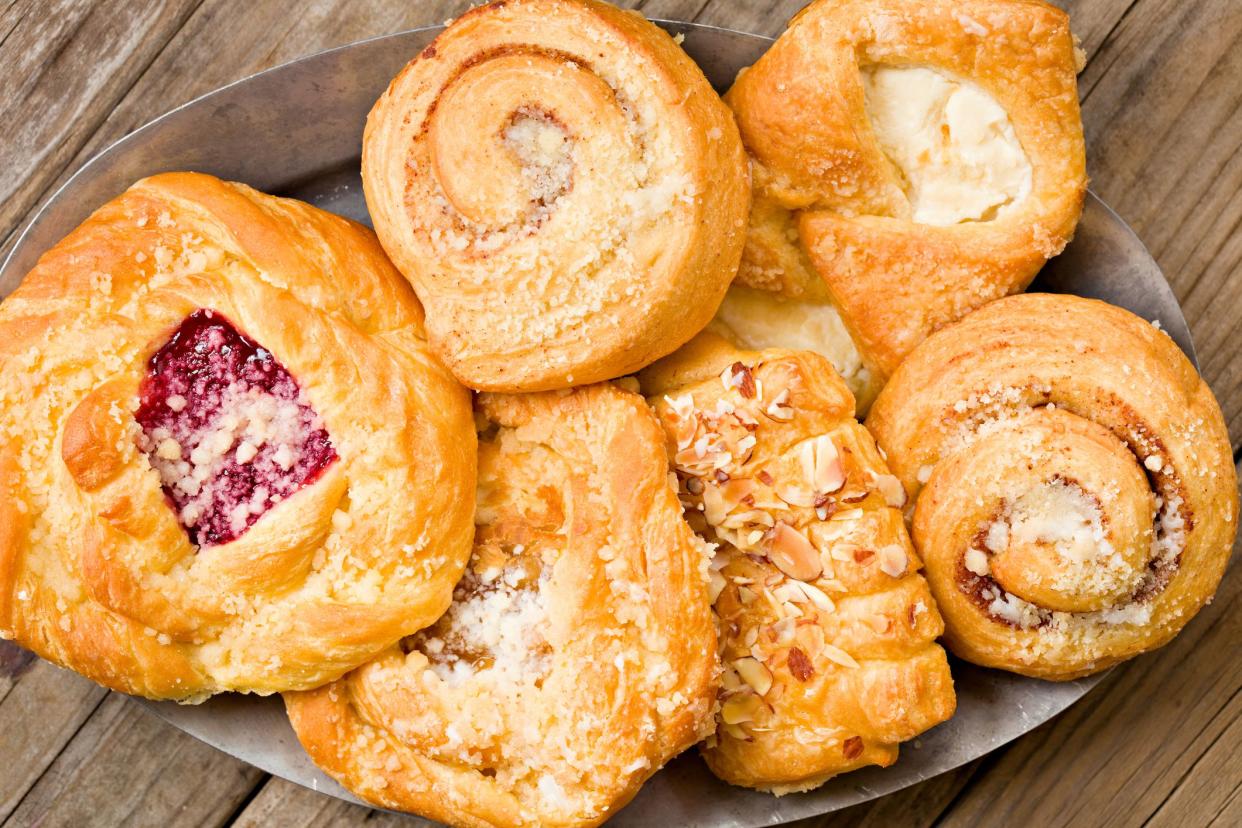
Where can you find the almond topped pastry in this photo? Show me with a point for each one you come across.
(827, 628)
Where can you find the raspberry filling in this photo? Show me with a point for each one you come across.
(227, 429)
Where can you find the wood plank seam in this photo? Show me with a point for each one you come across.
(1186, 774)
(35, 782)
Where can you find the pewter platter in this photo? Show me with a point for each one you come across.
(296, 130)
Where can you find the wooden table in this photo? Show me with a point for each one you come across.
(1159, 740)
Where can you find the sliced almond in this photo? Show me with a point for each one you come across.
(893, 561)
(740, 708)
(878, 622)
(746, 595)
(754, 673)
(735, 732)
(716, 585)
(795, 495)
(836, 654)
(817, 596)
(779, 409)
(892, 490)
(829, 471)
(793, 554)
(714, 508)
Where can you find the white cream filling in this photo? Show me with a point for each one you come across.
(758, 319)
(952, 142)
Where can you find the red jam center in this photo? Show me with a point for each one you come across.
(225, 426)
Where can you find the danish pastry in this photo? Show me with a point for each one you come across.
(579, 653)
(827, 628)
(216, 406)
(1076, 494)
(562, 187)
(927, 157)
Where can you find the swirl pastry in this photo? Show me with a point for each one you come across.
(578, 655)
(563, 188)
(827, 628)
(926, 157)
(215, 405)
(1076, 495)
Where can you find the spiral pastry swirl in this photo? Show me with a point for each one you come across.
(1076, 495)
(569, 157)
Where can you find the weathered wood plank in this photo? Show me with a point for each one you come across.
(1164, 130)
(1212, 788)
(65, 65)
(39, 715)
(280, 802)
(125, 766)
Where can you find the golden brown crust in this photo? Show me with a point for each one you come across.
(96, 572)
(828, 630)
(1076, 494)
(567, 156)
(820, 168)
(578, 656)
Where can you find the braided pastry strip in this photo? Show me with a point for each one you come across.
(1076, 494)
(98, 571)
(827, 629)
(578, 656)
(566, 156)
(910, 231)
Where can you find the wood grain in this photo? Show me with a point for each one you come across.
(125, 766)
(66, 64)
(1157, 740)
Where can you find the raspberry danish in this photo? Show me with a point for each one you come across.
(230, 460)
(578, 655)
(827, 628)
(920, 157)
(1076, 493)
(562, 187)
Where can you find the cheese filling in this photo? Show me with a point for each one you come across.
(952, 142)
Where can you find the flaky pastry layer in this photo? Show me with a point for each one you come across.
(579, 654)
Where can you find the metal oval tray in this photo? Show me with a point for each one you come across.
(296, 130)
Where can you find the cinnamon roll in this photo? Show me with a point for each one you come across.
(827, 628)
(1076, 500)
(578, 655)
(215, 407)
(921, 157)
(562, 187)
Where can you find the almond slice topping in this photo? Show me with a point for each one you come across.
(793, 554)
(893, 561)
(892, 490)
(836, 654)
(754, 673)
(739, 709)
